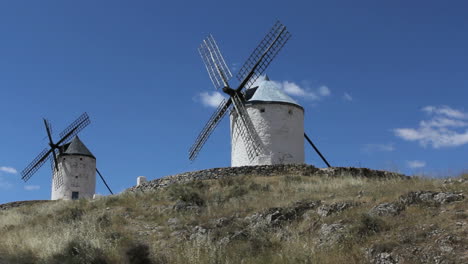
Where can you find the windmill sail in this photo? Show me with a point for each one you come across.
(214, 62)
(220, 74)
(35, 165)
(209, 127)
(262, 56)
(246, 129)
(72, 130)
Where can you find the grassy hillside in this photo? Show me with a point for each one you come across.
(249, 219)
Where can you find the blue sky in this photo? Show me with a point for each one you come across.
(384, 83)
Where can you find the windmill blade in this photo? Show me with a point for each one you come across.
(209, 127)
(36, 164)
(262, 56)
(51, 143)
(246, 129)
(57, 174)
(214, 62)
(48, 127)
(74, 128)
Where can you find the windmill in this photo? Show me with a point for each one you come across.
(248, 145)
(68, 146)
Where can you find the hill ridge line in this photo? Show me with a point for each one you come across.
(262, 170)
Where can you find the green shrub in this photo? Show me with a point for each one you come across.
(369, 225)
(79, 252)
(185, 194)
(139, 254)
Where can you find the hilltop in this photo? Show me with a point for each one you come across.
(262, 214)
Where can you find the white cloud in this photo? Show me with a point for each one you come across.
(347, 97)
(211, 99)
(445, 110)
(378, 148)
(32, 187)
(415, 164)
(324, 90)
(445, 128)
(294, 89)
(8, 170)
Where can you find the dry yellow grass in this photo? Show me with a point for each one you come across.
(109, 229)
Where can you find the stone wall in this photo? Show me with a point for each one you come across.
(264, 170)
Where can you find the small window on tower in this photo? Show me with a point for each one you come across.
(81, 158)
(262, 110)
(75, 195)
(290, 112)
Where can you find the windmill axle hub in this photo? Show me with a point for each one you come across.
(229, 91)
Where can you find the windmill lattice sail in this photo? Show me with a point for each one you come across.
(214, 62)
(74, 128)
(209, 127)
(57, 175)
(262, 56)
(246, 129)
(35, 165)
(220, 74)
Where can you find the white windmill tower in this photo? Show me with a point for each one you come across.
(73, 165)
(278, 121)
(77, 171)
(267, 126)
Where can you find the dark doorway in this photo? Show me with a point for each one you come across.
(75, 196)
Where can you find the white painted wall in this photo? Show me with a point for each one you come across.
(281, 130)
(79, 175)
(141, 180)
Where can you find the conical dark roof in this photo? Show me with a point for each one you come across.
(76, 147)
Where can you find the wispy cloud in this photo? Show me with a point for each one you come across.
(347, 97)
(211, 99)
(8, 170)
(306, 92)
(324, 90)
(415, 164)
(292, 88)
(446, 127)
(378, 148)
(32, 187)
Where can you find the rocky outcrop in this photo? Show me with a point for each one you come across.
(387, 209)
(264, 170)
(7, 206)
(430, 198)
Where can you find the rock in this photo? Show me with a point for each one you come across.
(172, 222)
(277, 216)
(220, 222)
(429, 197)
(443, 198)
(326, 210)
(184, 206)
(387, 209)
(385, 258)
(331, 234)
(240, 235)
(199, 233)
